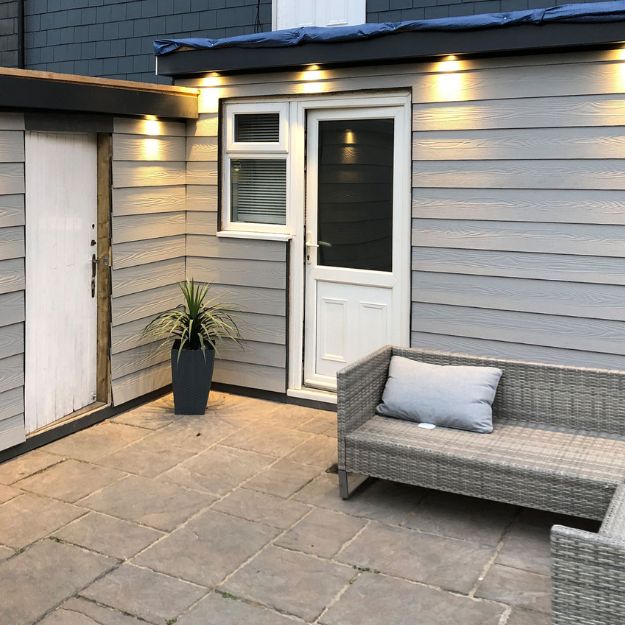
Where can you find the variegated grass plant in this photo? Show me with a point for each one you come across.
(199, 323)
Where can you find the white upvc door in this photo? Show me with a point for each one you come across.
(61, 308)
(356, 237)
(296, 13)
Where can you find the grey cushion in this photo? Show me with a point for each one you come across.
(450, 396)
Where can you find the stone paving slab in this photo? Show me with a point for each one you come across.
(153, 416)
(290, 582)
(216, 609)
(26, 465)
(461, 517)
(381, 501)
(517, 588)
(208, 548)
(36, 580)
(97, 441)
(272, 440)
(240, 410)
(151, 596)
(69, 480)
(146, 458)
(6, 552)
(100, 614)
(108, 535)
(193, 433)
(218, 470)
(284, 478)
(321, 422)
(525, 617)
(27, 518)
(322, 533)
(268, 509)
(448, 563)
(527, 547)
(148, 501)
(380, 600)
(65, 617)
(7, 492)
(284, 548)
(319, 451)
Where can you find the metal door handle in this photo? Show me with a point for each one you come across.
(311, 245)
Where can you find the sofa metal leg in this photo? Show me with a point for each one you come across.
(343, 484)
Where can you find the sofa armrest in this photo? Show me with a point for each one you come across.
(359, 390)
(588, 573)
(614, 521)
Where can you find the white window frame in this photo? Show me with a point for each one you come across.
(257, 108)
(285, 14)
(250, 150)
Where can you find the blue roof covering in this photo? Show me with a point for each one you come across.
(567, 14)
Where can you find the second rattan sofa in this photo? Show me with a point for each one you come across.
(558, 444)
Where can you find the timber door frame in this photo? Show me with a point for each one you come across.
(297, 197)
(103, 269)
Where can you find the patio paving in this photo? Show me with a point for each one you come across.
(232, 519)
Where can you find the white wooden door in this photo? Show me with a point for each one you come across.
(61, 222)
(357, 238)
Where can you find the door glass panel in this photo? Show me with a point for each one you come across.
(355, 194)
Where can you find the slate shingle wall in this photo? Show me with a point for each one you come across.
(399, 10)
(114, 38)
(8, 33)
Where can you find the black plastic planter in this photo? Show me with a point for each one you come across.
(192, 374)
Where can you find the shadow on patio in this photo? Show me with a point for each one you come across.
(231, 519)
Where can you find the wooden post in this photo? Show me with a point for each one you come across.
(103, 388)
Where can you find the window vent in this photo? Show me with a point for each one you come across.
(257, 127)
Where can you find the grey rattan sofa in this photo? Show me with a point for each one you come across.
(558, 445)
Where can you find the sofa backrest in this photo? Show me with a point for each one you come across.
(557, 396)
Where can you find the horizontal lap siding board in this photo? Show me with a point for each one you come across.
(11, 210)
(248, 276)
(12, 279)
(148, 243)
(518, 201)
(518, 208)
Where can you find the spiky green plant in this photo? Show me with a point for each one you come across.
(197, 324)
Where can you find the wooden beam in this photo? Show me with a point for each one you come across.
(103, 376)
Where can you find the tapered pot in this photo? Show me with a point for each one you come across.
(192, 374)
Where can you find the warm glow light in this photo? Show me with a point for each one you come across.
(209, 100)
(449, 81)
(449, 63)
(619, 68)
(349, 137)
(312, 87)
(152, 126)
(151, 149)
(211, 80)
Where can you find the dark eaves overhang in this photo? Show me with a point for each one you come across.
(38, 91)
(401, 46)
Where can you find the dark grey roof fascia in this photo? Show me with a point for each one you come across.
(401, 47)
(24, 90)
